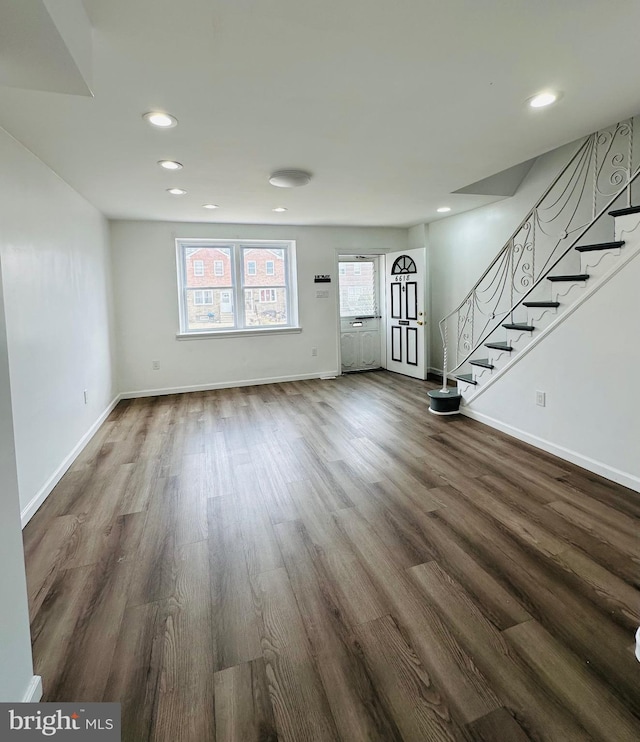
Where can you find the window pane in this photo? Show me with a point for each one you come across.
(207, 266)
(265, 307)
(357, 289)
(209, 309)
(257, 259)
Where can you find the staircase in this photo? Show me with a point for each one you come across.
(572, 241)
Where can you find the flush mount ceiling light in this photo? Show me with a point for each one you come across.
(176, 191)
(160, 119)
(279, 208)
(443, 209)
(543, 99)
(289, 178)
(210, 206)
(170, 164)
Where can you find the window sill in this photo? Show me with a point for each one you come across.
(237, 333)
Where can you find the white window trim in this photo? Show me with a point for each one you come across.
(253, 263)
(237, 288)
(272, 264)
(198, 273)
(217, 263)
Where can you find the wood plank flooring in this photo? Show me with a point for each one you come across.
(322, 561)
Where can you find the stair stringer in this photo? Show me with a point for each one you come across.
(631, 235)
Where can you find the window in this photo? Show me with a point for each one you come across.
(198, 267)
(358, 289)
(203, 297)
(268, 295)
(252, 286)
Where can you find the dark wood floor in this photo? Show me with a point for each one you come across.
(323, 560)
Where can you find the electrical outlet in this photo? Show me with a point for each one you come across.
(541, 399)
(155, 365)
(86, 396)
(314, 351)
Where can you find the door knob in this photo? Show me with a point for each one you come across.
(420, 323)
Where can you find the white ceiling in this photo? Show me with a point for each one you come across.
(391, 105)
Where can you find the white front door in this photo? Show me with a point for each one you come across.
(405, 313)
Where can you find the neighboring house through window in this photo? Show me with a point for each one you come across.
(198, 267)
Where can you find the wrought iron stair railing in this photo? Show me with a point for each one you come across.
(598, 175)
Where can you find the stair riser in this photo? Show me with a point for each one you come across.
(567, 292)
(499, 358)
(596, 264)
(466, 390)
(540, 317)
(519, 339)
(625, 224)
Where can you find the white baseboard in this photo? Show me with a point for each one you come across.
(34, 690)
(42, 494)
(225, 385)
(592, 465)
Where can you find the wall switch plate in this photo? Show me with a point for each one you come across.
(541, 399)
(155, 365)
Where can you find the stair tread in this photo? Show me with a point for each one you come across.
(540, 304)
(498, 346)
(484, 362)
(600, 246)
(468, 378)
(624, 212)
(569, 277)
(518, 326)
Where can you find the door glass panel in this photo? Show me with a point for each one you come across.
(357, 289)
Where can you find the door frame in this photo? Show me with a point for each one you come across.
(377, 254)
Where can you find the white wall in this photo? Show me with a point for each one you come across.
(15, 641)
(587, 366)
(146, 299)
(55, 261)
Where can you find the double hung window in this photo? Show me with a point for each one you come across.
(229, 286)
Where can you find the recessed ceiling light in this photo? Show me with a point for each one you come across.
(443, 209)
(170, 164)
(289, 178)
(210, 206)
(160, 119)
(543, 99)
(176, 191)
(279, 208)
